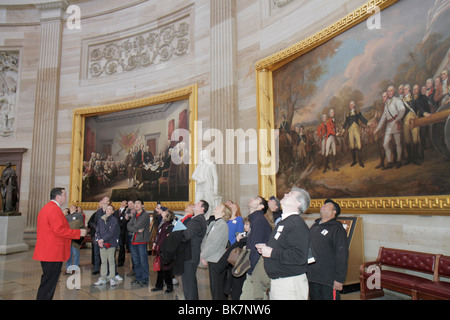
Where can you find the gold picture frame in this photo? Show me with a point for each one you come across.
(416, 205)
(189, 93)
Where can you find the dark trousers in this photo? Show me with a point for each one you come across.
(189, 277)
(217, 282)
(96, 256)
(49, 280)
(123, 245)
(233, 284)
(164, 276)
(121, 257)
(322, 292)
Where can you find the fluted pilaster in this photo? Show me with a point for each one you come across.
(224, 88)
(46, 107)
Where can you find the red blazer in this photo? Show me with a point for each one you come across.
(322, 130)
(54, 235)
(331, 128)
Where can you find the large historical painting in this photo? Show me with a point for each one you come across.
(138, 153)
(343, 109)
(128, 154)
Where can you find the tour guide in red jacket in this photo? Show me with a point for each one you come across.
(53, 242)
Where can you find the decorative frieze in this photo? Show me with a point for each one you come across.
(143, 48)
(9, 75)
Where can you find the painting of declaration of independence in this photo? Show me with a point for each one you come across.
(344, 109)
(127, 154)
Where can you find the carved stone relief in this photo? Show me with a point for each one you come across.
(139, 50)
(280, 3)
(276, 6)
(9, 71)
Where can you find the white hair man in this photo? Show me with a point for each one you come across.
(286, 253)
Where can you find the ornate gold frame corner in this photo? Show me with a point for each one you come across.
(79, 116)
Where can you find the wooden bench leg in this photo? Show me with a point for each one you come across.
(367, 293)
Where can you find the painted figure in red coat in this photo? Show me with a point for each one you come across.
(330, 145)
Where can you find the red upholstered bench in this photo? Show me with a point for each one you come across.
(437, 289)
(393, 279)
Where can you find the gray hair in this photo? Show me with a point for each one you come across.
(304, 199)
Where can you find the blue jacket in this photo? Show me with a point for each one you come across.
(108, 229)
(235, 226)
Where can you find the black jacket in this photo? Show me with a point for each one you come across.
(93, 220)
(172, 250)
(122, 221)
(290, 243)
(330, 245)
(193, 236)
(259, 233)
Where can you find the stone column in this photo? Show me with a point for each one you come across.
(46, 109)
(224, 89)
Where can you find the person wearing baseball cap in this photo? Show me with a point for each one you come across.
(329, 243)
(337, 208)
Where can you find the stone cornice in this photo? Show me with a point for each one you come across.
(52, 10)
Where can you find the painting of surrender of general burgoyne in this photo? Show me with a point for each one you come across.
(365, 114)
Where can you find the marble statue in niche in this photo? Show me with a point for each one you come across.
(8, 189)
